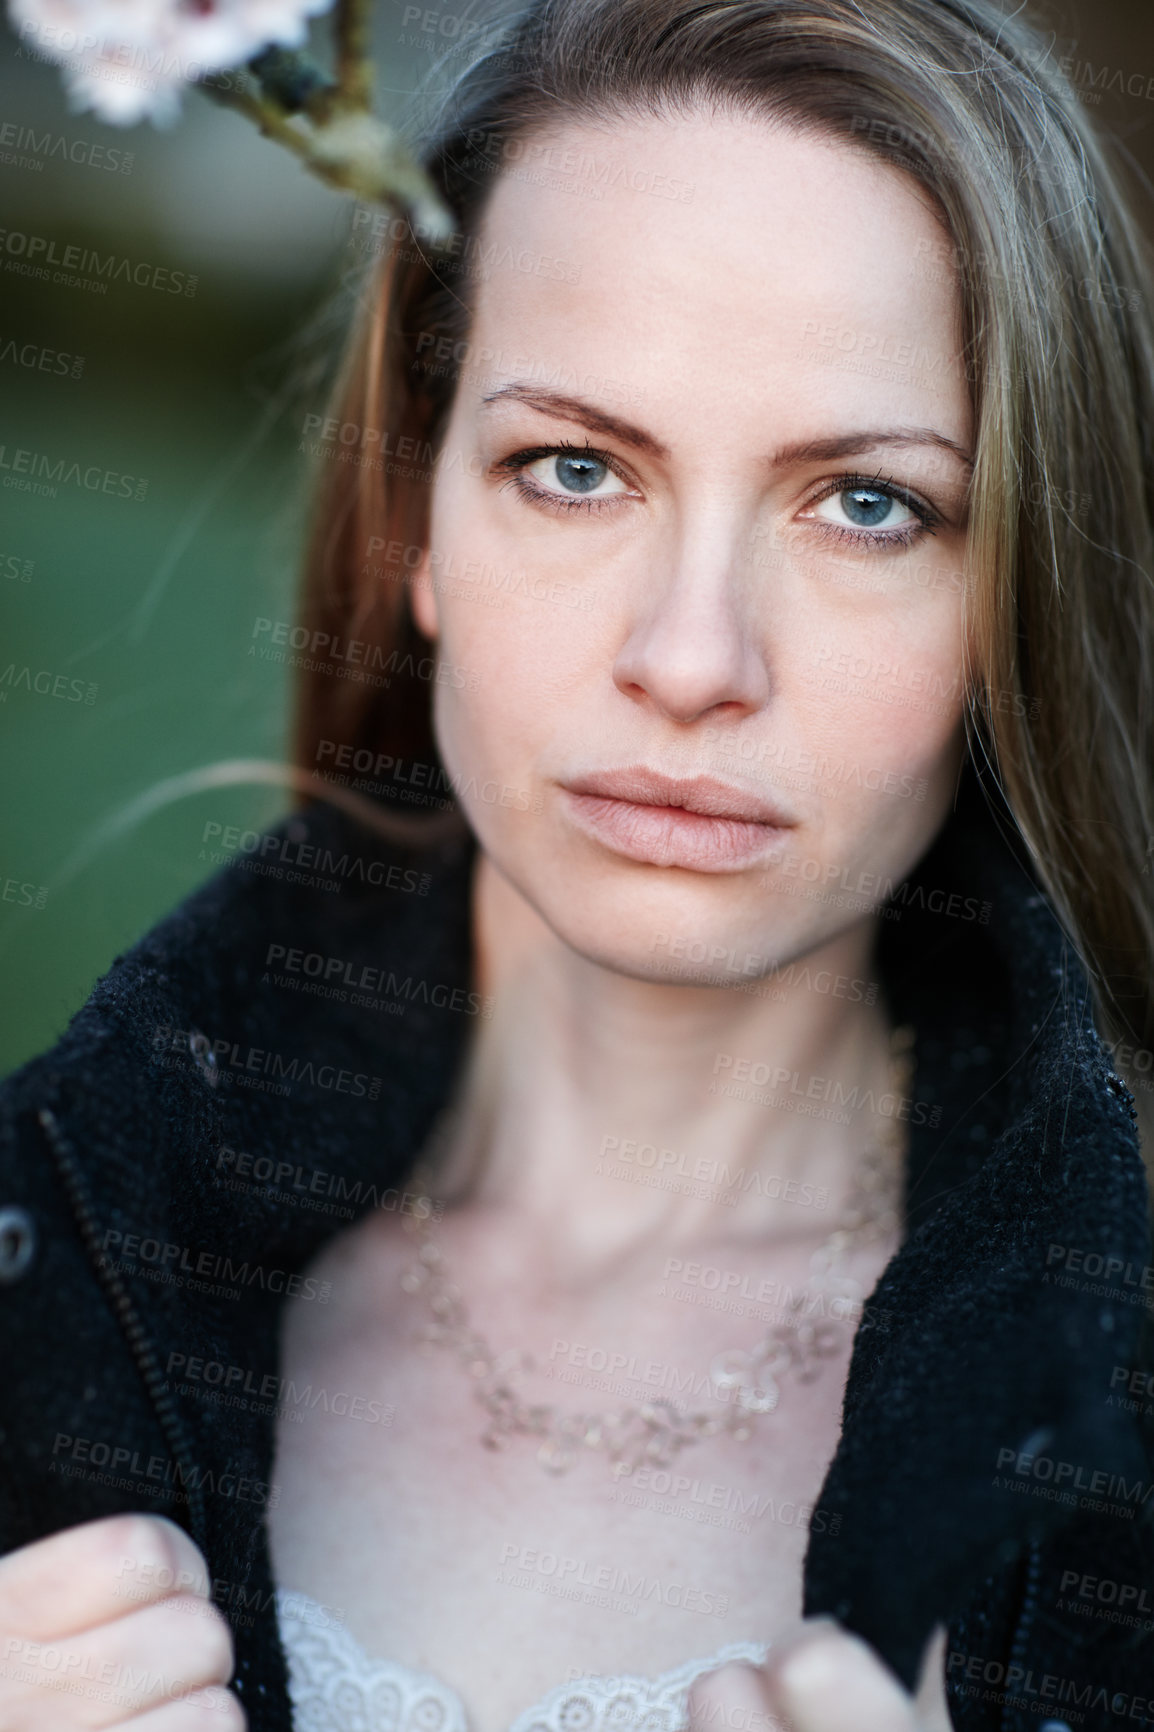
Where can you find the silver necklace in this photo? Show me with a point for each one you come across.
(748, 1380)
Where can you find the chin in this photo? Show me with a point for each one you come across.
(664, 925)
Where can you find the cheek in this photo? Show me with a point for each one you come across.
(881, 712)
(493, 715)
(900, 669)
(511, 623)
(883, 826)
(461, 722)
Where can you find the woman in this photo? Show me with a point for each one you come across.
(745, 531)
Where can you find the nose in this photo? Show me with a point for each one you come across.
(691, 646)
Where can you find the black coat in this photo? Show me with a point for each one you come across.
(199, 1131)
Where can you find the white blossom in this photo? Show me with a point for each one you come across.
(128, 60)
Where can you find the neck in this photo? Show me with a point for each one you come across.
(611, 1113)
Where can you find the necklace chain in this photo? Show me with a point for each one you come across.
(747, 1380)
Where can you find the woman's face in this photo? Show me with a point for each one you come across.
(699, 516)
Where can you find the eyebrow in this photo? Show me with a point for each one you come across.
(567, 408)
(575, 409)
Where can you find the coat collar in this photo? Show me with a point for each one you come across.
(981, 1375)
(278, 1108)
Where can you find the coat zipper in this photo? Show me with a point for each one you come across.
(141, 1348)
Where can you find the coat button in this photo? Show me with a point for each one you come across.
(17, 1243)
(203, 1056)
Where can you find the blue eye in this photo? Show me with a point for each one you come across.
(866, 506)
(565, 475)
(870, 514)
(580, 474)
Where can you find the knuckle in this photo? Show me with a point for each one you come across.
(206, 1710)
(135, 1540)
(227, 1713)
(213, 1645)
(167, 1545)
(157, 1552)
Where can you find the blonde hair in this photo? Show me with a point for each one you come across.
(1053, 276)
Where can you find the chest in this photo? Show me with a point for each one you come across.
(480, 1566)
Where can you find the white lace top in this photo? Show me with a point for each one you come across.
(336, 1687)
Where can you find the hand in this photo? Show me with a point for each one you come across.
(821, 1679)
(110, 1625)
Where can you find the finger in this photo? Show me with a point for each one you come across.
(110, 1673)
(827, 1679)
(210, 1710)
(930, 1701)
(734, 1698)
(89, 1575)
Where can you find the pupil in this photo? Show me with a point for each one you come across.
(866, 505)
(580, 474)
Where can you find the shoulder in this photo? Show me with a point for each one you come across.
(238, 1000)
(143, 1157)
(310, 886)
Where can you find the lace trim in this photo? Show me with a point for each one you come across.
(336, 1687)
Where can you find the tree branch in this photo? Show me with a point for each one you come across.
(351, 150)
(354, 55)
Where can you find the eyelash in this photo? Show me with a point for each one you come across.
(928, 520)
(520, 460)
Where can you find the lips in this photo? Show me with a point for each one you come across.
(695, 822)
(704, 794)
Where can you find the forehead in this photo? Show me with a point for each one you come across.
(720, 250)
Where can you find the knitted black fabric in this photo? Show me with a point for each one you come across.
(993, 1456)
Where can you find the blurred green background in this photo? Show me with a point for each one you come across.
(153, 600)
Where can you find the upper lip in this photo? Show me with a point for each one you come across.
(642, 786)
